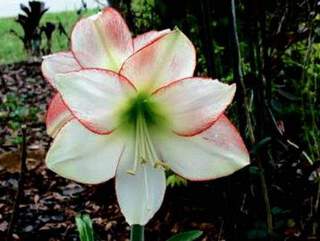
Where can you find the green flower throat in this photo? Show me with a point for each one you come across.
(143, 116)
(142, 106)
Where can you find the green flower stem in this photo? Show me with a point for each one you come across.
(137, 233)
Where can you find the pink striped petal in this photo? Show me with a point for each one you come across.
(62, 62)
(94, 97)
(214, 153)
(57, 116)
(169, 58)
(193, 104)
(102, 40)
(142, 40)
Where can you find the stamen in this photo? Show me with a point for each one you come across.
(150, 147)
(144, 149)
(161, 164)
(145, 154)
(136, 153)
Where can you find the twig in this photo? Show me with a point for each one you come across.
(19, 194)
(285, 138)
(237, 71)
(220, 230)
(316, 206)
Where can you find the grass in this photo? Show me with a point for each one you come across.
(11, 47)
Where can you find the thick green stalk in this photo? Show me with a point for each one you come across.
(137, 233)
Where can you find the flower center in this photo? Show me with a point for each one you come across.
(141, 114)
(142, 106)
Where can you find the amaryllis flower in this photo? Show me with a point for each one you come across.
(130, 108)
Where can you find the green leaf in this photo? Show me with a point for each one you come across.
(279, 211)
(260, 144)
(260, 234)
(187, 236)
(84, 226)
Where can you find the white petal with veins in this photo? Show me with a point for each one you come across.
(83, 156)
(214, 153)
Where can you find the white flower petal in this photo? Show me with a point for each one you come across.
(214, 153)
(94, 96)
(83, 156)
(140, 195)
(193, 104)
(102, 40)
(62, 62)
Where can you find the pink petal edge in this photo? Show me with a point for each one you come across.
(57, 114)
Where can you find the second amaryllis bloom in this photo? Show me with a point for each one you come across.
(130, 108)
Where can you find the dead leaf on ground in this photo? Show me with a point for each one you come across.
(10, 161)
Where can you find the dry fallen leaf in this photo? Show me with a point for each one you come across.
(10, 161)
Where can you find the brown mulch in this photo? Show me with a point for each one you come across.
(50, 203)
(25, 81)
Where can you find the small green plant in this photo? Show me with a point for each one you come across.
(86, 232)
(84, 226)
(186, 236)
(15, 113)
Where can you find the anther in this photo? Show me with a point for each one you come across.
(161, 164)
(131, 172)
(143, 160)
